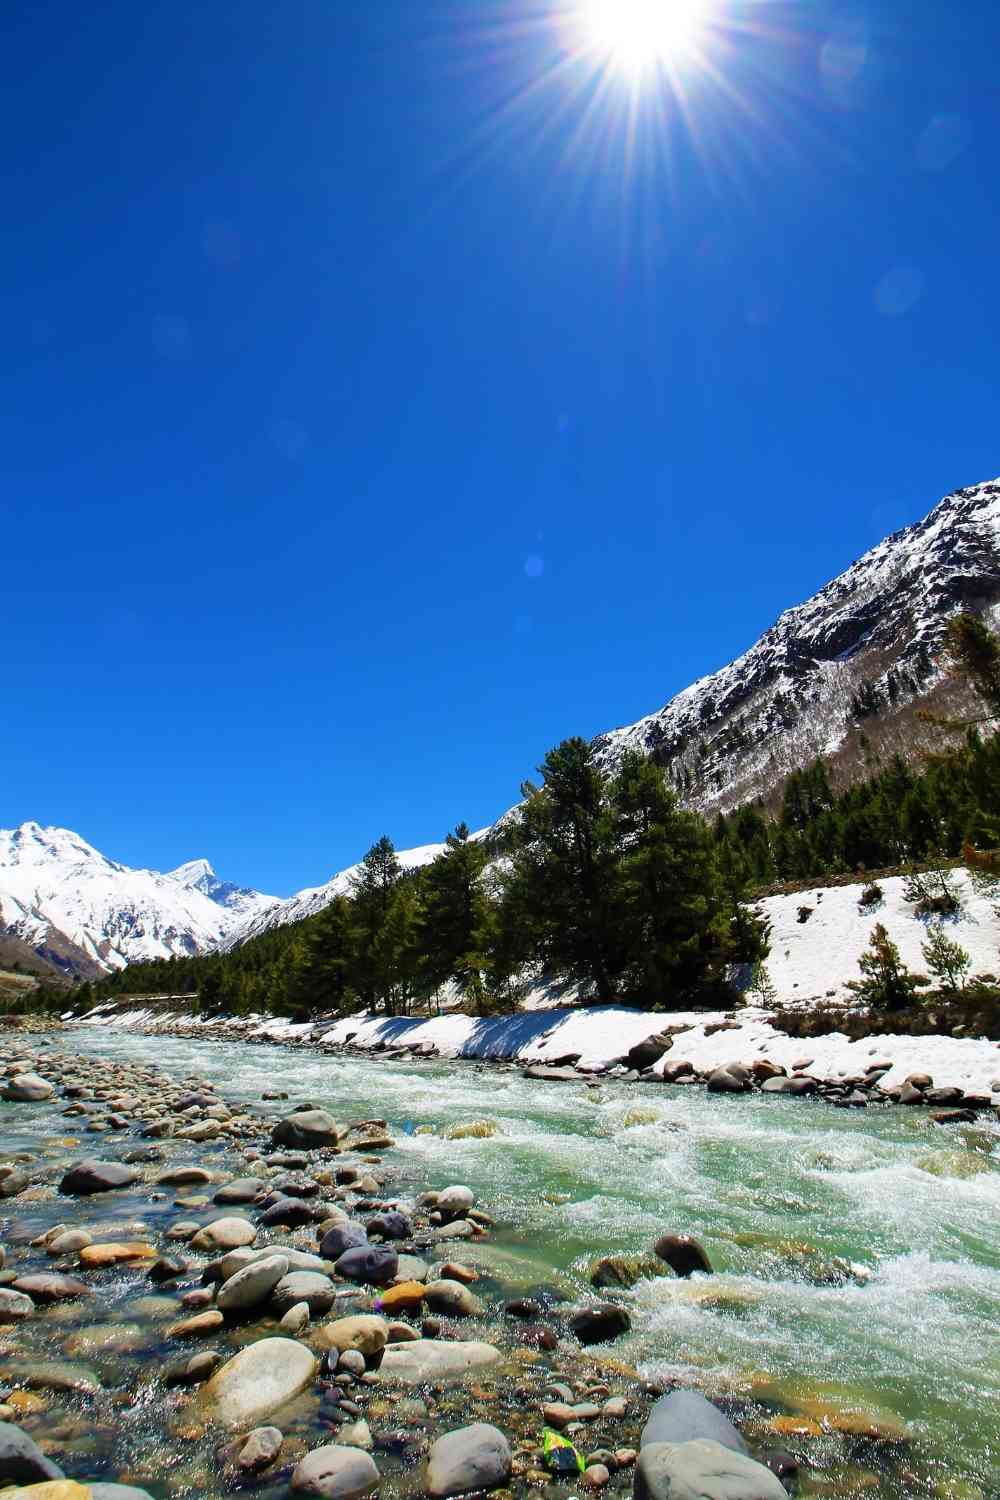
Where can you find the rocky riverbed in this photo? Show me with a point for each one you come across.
(203, 1293)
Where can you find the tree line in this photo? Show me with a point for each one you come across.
(600, 879)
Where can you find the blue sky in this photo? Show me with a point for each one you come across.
(374, 415)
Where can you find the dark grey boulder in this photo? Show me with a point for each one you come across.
(600, 1324)
(683, 1254)
(21, 1460)
(340, 1238)
(86, 1177)
(307, 1128)
(240, 1190)
(391, 1225)
(13, 1182)
(375, 1264)
(682, 1416)
(723, 1081)
(291, 1213)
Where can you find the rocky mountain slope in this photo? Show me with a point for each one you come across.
(846, 667)
(85, 914)
(842, 675)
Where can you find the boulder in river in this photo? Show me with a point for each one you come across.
(364, 1333)
(376, 1264)
(472, 1458)
(702, 1470)
(224, 1234)
(252, 1285)
(682, 1416)
(93, 1176)
(21, 1460)
(426, 1360)
(27, 1088)
(256, 1382)
(307, 1128)
(451, 1297)
(335, 1472)
(303, 1286)
(50, 1286)
(340, 1238)
(683, 1254)
(599, 1324)
(14, 1306)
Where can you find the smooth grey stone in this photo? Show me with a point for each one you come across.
(472, 1458)
(335, 1472)
(93, 1176)
(681, 1416)
(702, 1470)
(307, 1128)
(316, 1291)
(252, 1285)
(376, 1264)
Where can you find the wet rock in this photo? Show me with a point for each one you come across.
(224, 1234)
(194, 1370)
(455, 1201)
(307, 1128)
(390, 1226)
(168, 1268)
(184, 1177)
(12, 1182)
(375, 1264)
(69, 1242)
(298, 1260)
(451, 1297)
(290, 1213)
(725, 1081)
(92, 1176)
(702, 1470)
(240, 1190)
(252, 1285)
(256, 1382)
(434, 1360)
(27, 1088)
(363, 1333)
(404, 1297)
(49, 1286)
(260, 1449)
(335, 1472)
(196, 1327)
(472, 1458)
(794, 1086)
(682, 1416)
(53, 1375)
(14, 1306)
(683, 1254)
(315, 1290)
(97, 1256)
(600, 1324)
(21, 1460)
(623, 1271)
(296, 1320)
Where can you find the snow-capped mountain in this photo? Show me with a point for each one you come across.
(852, 661)
(857, 659)
(88, 914)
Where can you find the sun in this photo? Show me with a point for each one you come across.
(640, 34)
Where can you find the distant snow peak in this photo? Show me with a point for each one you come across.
(66, 899)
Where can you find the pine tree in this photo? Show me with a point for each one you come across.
(561, 888)
(456, 918)
(319, 972)
(373, 891)
(946, 959)
(887, 983)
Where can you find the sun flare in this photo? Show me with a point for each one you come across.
(640, 34)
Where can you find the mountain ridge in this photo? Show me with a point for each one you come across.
(87, 914)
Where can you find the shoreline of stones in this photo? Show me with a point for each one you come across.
(369, 1266)
(948, 1105)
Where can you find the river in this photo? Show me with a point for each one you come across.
(858, 1251)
